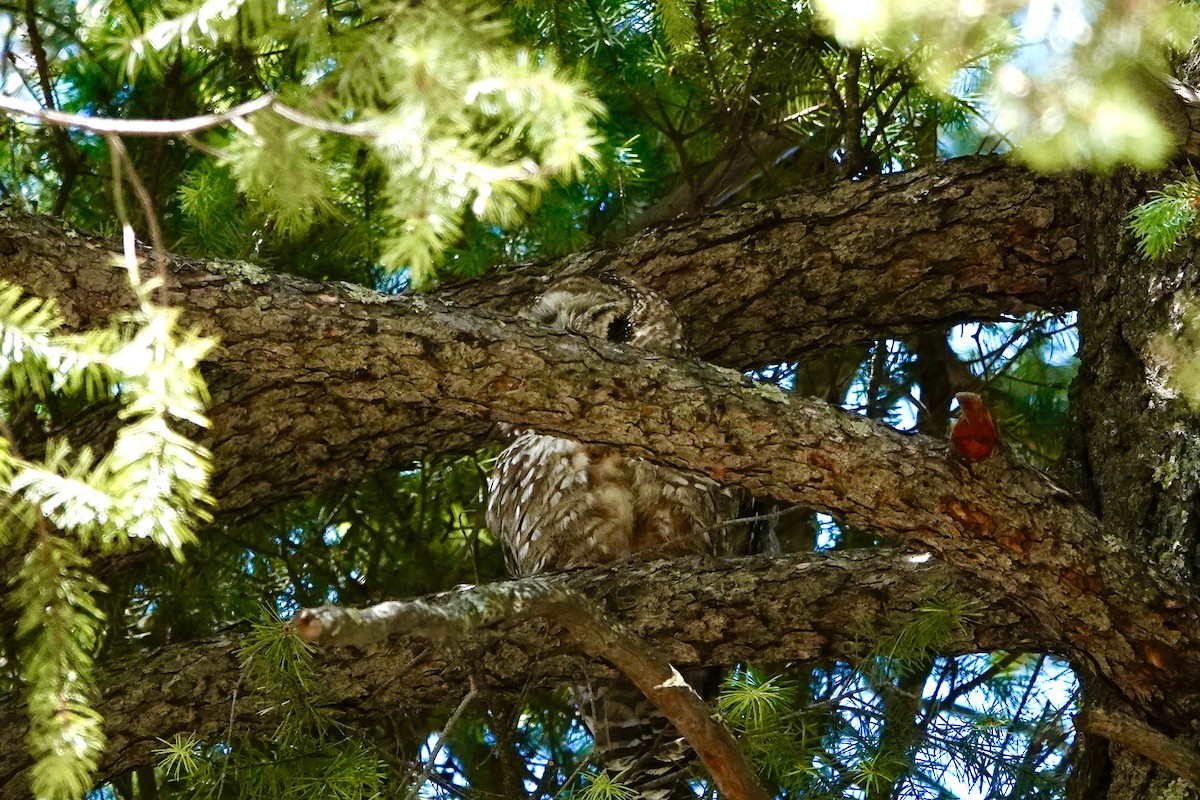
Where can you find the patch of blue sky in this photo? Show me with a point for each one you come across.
(389, 282)
(443, 765)
(319, 71)
(829, 533)
(988, 347)
(537, 760)
(286, 605)
(639, 19)
(1049, 31)
(984, 728)
(334, 534)
(902, 412)
(988, 723)
(782, 375)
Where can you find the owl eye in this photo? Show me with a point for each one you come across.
(619, 330)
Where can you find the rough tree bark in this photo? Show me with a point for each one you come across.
(812, 607)
(322, 383)
(1138, 453)
(976, 238)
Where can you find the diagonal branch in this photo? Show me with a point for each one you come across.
(815, 607)
(316, 384)
(732, 775)
(657, 679)
(973, 238)
(1180, 758)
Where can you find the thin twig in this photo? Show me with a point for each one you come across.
(68, 158)
(366, 129)
(134, 127)
(771, 516)
(188, 125)
(229, 733)
(236, 116)
(204, 147)
(158, 247)
(431, 762)
(128, 238)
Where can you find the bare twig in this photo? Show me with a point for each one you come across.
(431, 762)
(852, 122)
(188, 125)
(134, 127)
(123, 164)
(363, 130)
(236, 116)
(67, 157)
(771, 516)
(229, 734)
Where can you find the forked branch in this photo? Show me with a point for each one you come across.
(653, 675)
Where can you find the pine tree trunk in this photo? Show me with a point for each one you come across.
(1138, 455)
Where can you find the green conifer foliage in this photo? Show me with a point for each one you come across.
(432, 97)
(1081, 100)
(68, 504)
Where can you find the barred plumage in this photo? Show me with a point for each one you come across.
(557, 504)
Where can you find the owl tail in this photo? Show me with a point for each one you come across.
(634, 741)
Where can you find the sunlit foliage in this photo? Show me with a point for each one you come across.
(63, 505)
(1162, 222)
(1077, 95)
(432, 97)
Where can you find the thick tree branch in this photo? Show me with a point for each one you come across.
(974, 238)
(971, 239)
(1177, 105)
(315, 384)
(551, 599)
(1181, 758)
(816, 607)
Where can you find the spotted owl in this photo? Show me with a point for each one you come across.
(557, 504)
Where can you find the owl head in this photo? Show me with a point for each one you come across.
(612, 308)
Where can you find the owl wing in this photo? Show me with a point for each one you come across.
(677, 514)
(558, 504)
